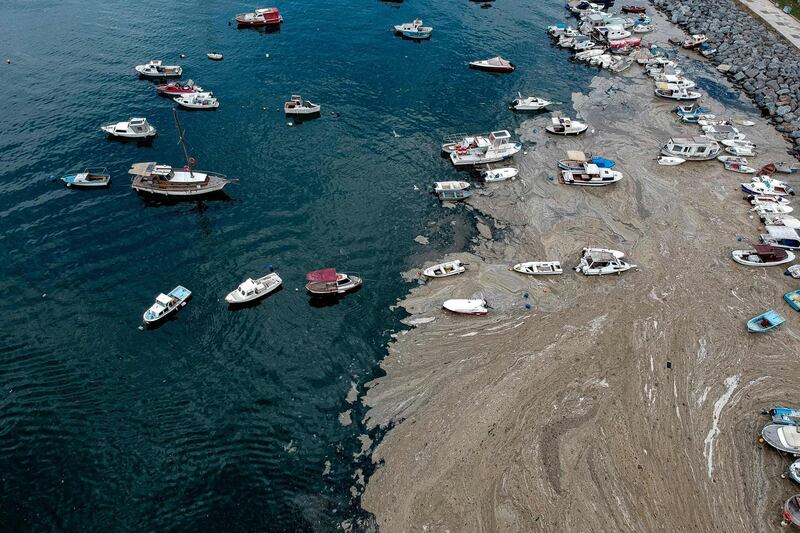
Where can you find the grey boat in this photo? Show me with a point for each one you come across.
(791, 511)
(783, 438)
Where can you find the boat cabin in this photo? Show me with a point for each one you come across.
(162, 305)
(598, 260)
(270, 14)
(608, 33)
(250, 288)
(496, 138)
(138, 125)
(699, 148)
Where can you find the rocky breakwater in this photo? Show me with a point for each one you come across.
(758, 60)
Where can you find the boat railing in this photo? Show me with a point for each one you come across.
(458, 137)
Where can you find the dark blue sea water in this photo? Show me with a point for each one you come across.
(222, 420)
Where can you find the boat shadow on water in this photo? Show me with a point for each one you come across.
(254, 303)
(144, 143)
(329, 300)
(155, 200)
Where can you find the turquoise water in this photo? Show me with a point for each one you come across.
(222, 420)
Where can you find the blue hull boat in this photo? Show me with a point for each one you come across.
(688, 110)
(765, 322)
(793, 299)
(785, 416)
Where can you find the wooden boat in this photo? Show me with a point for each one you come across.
(446, 269)
(134, 128)
(782, 437)
(694, 41)
(634, 9)
(499, 174)
(414, 30)
(670, 161)
(494, 64)
(155, 69)
(253, 289)
(539, 268)
(765, 322)
(762, 255)
(440, 186)
(453, 196)
(528, 103)
(214, 56)
(298, 106)
(602, 261)
(735, 166)
(176, 88)
(466, 307)
(90, 178)
(793, 299)
(784, 415)
(590, 176)
(166, 304)
(164, 180)
(793, 271)
(791, 511)
(327, 281)
(565, 126)
(198, 101)
(262, 16)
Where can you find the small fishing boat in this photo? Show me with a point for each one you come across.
(134, 128)
(499, 174)
(765, 208)
(793, 271)
(565, 126)
(155, 69)
(676, 80)
(166, 304)
(764, 322)
(576, 160)
(787, 168)
(557, 30)
(694, 41)
(791, 511)
(494, 64)
(198, 101)
(298, 106)
(780, 220)
(768, 170)
(602, 261)
(214, 56)
(88, 179)
(782, 237)
(176, 88)
(793, 471)
(765, 200)
(723, 133)
(453, 196)
(742, 142)
(634, 9)
(262, 16)
(706, 50)
(782, 437)
(793, 299)
(590, 176)
(327, 281)
(528, 103)
(702, 120)
(736, 166)
(440, 186)
(692, 148)
(692, 109)
(539, 268)
(764, 185)
(742, 122)
(253, 289)
(586, 55)
(414, 30)
(482, 150)
(731, 159)
(670, 161)
(762, 255)
(674, 92)
(741, 150)
(466, 307)
(643, 28)
(785, 416)
(446, 269)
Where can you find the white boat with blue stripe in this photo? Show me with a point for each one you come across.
(166, 304)
(414, 30)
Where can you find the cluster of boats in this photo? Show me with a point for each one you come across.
(783, 434)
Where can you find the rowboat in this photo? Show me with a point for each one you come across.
(762, 255)
(494, 64)
(253, 289)
(327, 281)
(793, 299)
(88, 179)
(539, 268)
(499, 174)
(633, 9)
(765, 322)
(214, 56)
(670, 161)
(466, 307)
(166, 304)
(440, 186)
(735, 166)
(446, 269)
(453, 195)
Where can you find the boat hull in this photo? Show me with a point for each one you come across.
(490, 68)
(235, 297)
(148, 187)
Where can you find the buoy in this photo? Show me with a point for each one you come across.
(44, 295)
(738, 239)
(524, 294)
(527, 306)
(229, 23)
(183, 55)
(296, 289)
(551, 178)
(8, 61)
(141, 328)
(266, 55)
(269, 266)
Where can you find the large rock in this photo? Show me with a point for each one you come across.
(782, 110)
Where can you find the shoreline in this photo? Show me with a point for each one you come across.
(536, 419)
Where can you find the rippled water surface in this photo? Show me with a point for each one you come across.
(221, 420)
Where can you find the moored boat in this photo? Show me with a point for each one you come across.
(784, 415)
(176, 88)
(155, 69)
(298, 106)
(576, 159)
(446, 269)
(88, 179)
(736, 166)
(780, 220)
(414, 30)
(496, 147)
(669, 161)
(791, 511)
(793, 271)
(741, 150)
(262, 16)
(198, 101)
(134, 128)
(539, 268)
(494, 64)
(466, 307)
(794, 471)
(793, 299)
(634, 9)
(565, 126)
(766, 199)
(590, 176)
(439, 186)
(782, 437)
(764, 185)
(694, 41)
(782, 237)
(692, 148)
(453, 195)
(499, 174)
(166, 304)
(529, 103)
(215, 56)
(253, 289)
(327, 281)
(765, 322)
(675, 92)
(762, 255)
(602, 261)
(766, 208)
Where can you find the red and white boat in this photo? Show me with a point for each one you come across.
(627, 41)
(327, 281)
(262, 16)
(176, 88)
(495, 64)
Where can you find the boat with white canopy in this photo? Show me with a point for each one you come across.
(253, 289)
(496, 147)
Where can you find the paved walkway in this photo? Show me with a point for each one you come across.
(786, 25)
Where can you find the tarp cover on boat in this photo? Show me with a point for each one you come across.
(325, 275)
(576, 155)
(602, 162)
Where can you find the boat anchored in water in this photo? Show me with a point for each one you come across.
(176, 88)
(134, 128)
(565, 126)
(529, 103)
(414, 30)
(762, 255)
(298, 106)
(499, 174)
(164, 180)
(539, 268)
(494, 64)
(262, 16)
(155, 69)
(215, 56)
(466, 307)
(782, 437)
(440, 186)
(90, 178)
(692, 148)
(576, 160)
(453, 195)
(602, 261)
(328, 282)
(198, 101)
(496, 147)
(166, 304)
(253, 289)
(590, 176)
(675, 92)
(446, 269)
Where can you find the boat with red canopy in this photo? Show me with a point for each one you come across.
(327, 281)
(262, 16)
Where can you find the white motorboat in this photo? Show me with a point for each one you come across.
(499, 174)
(166, 304)
(88, 179)
(590, 176)
(586, 55)
(676, 80)
(694, 41)
(539, 268)
(328, 282)
(741, 142)
(298, 106)
(560, 29)
(674, 92)
(668, 161)
(214, 56)
(794, 271)
(757, 201)
(735, 166)
(414, 30)
(742, 122)
(446, 269)
(565, 126)
(643, 28)
(529, 103)
(723, 133)
(601, 261)
(155, 69)
(461, 141)
(741, 151)
(494, 64)
(708, 120)
(781, 220)
(762, 255)
(692, 148)
(766, 185)
(253, 289)
(466, 307)
(440, 186)
(496, 147)
(732, 159)
(135, 128)
(198, 101)
(764, 208)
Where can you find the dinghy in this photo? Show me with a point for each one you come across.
(253, 289)
(784, 415)
(765, 322)
(765, 185)
(732, 159)
(443, 270)
(762, 255)
(440, 186)
(453, 195)
(782, 437)
(499, 174)
(494, 64)
(670, 161)
(528, 103)
(735, 166)
(601, 261)
(742, 122)
(633, 9)
(762, 200)
(198, 101)
(88, 179)
(539, 268)
(155, 69)
(791, 511)
(298, 106)
(328, 282)
(134, 128)
(466, 307)
(166, 304)
(793, 299)
(565, 126)
(214, 56)
(590, 176)
(793, 271)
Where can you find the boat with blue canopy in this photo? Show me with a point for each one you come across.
(765, 322)
(785, 415)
